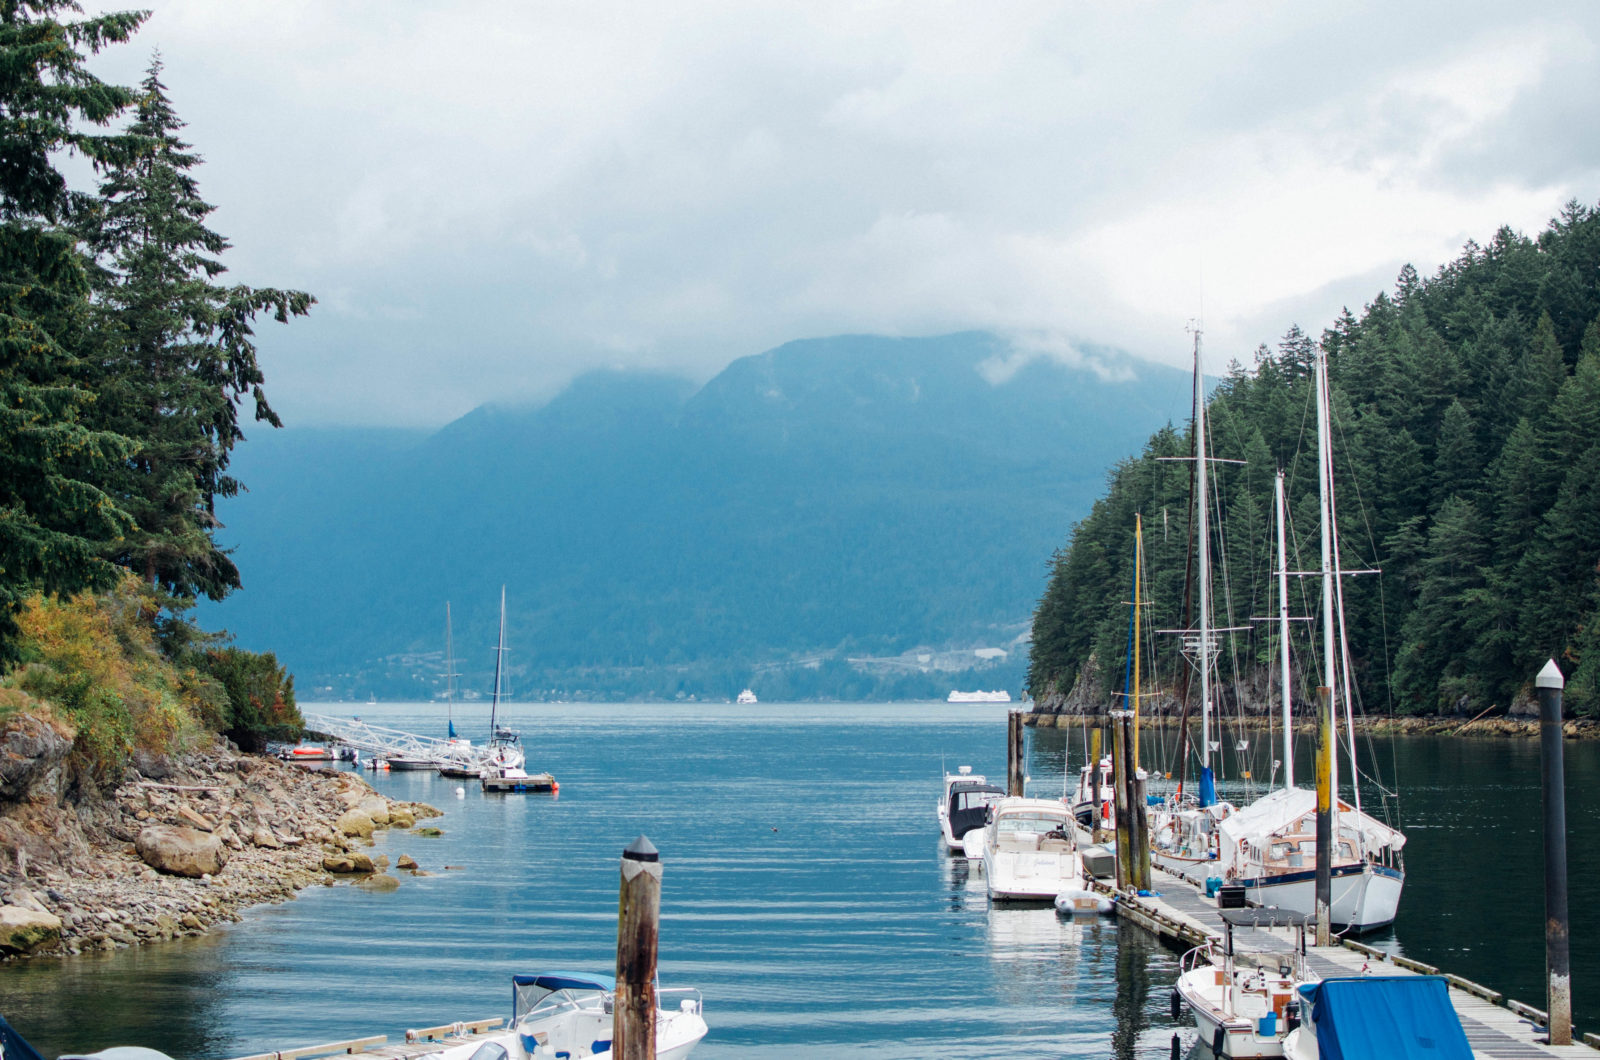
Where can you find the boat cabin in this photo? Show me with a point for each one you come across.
(968, 805)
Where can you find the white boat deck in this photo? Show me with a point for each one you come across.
(1496, 1028)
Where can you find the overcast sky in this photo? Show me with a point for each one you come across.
(489, 198)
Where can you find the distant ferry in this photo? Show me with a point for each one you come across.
(979, 697)
(748, 696)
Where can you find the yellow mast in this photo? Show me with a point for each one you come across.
(1138, 557)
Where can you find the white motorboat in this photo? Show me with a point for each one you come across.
(747, 697)
(964, 806)
(980, 696)
(1083, 799)
(569, 1014)
(1243, 1009)
(1030, 852)
(1407, 1017)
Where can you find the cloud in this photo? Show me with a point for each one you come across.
(490, 199)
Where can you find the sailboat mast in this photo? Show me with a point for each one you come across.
(449, 675)
(1138, 560)
(1325, 503)
(1283, 634)
(499, 656)
(1201, 452)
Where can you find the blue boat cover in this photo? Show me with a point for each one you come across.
(567, 981)
(13, 1046)
(1208, 787)
(1406, 1017)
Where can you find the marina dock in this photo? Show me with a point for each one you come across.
(1497, 1027)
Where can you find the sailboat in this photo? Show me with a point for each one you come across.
(1270, 846)
(502, 767)
(459, 759)
(1183, 830)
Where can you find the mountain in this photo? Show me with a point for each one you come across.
(851, 498)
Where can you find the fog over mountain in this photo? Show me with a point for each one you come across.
(832, 517)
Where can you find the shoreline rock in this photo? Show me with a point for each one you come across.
(79, 870)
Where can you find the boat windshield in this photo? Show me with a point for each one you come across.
(1030, 822)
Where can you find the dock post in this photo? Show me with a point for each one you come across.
(1120, 782)
(633, 1021)
(1014, 763)
(1096, 824)
(1324, 885)
(1140, 831)
(1556, 943)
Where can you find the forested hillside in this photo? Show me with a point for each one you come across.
(849, 498)
(1467, 427)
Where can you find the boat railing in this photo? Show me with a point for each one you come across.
(681, 994)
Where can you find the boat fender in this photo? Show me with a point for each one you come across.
(1219, 1038)
(1177, 1048)
(1177, 1011)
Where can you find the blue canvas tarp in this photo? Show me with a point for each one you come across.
(1387, 1018)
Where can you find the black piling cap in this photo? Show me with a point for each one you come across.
(642, 849)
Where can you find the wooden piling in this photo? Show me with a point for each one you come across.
(1324, 884)
(633, 1028)
(1015, 773)
(1120, 756)
(1558, 967)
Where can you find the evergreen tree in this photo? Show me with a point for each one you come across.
(56, 523)
(177, 354)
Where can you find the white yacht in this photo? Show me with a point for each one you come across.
(1030, 852)
(747, 697)
(1083, 801)
(569, 1014)
(964, 805)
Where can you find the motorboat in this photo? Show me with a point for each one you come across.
(1244, 1008)
(1030, 852)
(307, 752)
(965, 806)
(515, 778)
(1083, 799)
(1398, 1017)
(1270, 847)
(411, 763)
(747, 697)
(570, 1014)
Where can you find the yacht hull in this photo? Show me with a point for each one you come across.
(1365, 897)
(1237, 1038)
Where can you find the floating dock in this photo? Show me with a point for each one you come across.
(378, 1047)
(1497, 1028)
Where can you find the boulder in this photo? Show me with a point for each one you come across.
(354, 823)
(379, 882)
(354, 861)
(264, 837)
(401, 819)
(405, 862)
(181, 851)
(25, 930)
(375, 807)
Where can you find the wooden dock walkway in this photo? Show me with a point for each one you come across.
(416, 1043)
(1497, 1028)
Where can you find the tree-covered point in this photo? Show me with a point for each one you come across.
(1466, 413)
(123, 364)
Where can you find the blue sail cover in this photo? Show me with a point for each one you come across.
(13, 1046)
(1208, 787)
(1405, 1017)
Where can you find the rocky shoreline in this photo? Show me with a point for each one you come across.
(179, 845)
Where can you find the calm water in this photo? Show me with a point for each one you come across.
(805, 894)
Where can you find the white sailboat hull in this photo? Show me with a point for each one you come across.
(1365, 897)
